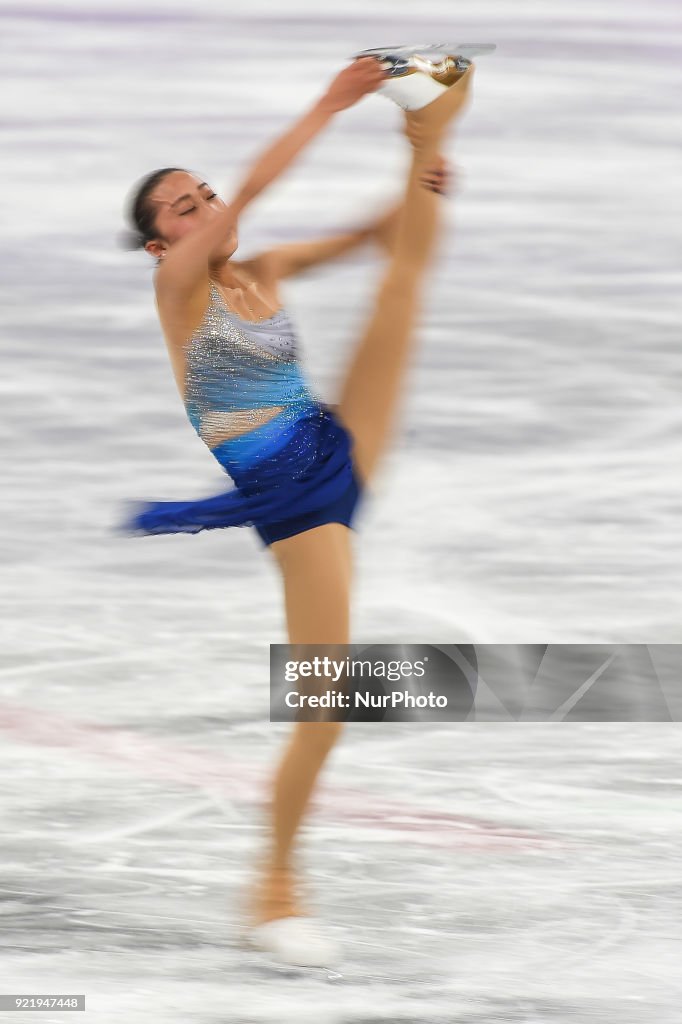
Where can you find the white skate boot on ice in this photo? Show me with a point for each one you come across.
(274, 922)
(295, 942)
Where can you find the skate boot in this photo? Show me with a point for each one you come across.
(295, 942)
(280, 927)
(418, 75)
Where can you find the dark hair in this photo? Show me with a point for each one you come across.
(141, 213)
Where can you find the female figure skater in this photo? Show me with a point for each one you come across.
(299, 465)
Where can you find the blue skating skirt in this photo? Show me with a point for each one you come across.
(292, 473)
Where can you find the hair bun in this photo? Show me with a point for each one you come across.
(130, 239)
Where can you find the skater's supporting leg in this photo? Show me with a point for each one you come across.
(295, 780)
(316, 573)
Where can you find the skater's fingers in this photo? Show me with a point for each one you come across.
(369, 68)
(368, 73)
(440, 167)
(446, 176)
(434, 186)
(357, 79)
(370, 62)
(440, 183)
(441, 179)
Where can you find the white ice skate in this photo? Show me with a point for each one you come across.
(294, 941)
(420, 74)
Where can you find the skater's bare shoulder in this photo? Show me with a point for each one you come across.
(181, 303)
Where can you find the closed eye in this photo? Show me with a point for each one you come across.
(191, 208)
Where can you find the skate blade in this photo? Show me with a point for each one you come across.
(271, 967)
(430, 49)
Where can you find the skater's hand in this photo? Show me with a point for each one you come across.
(438, 177)
(364, 75)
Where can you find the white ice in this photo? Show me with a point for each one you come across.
(525, 872)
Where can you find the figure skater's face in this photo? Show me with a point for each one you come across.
(184, 203)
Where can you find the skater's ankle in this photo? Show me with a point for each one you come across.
(273, 905)
(276, 868)
(427, 126)
(274, 895)
(423, 137)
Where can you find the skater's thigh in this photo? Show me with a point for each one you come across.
(316, 569)
(369, 393)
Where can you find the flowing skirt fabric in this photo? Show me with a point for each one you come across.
(292, 473)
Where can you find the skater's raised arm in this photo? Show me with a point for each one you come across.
(358, 79)
(186, 263)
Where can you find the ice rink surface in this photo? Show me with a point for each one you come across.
(478, 872)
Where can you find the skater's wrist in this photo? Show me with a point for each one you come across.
(325, 108)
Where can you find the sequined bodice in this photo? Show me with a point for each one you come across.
(234, 366)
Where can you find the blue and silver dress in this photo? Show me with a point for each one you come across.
(291, 473)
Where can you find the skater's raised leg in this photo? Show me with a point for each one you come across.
(369, 395)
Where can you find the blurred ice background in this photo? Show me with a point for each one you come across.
(525, 872)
